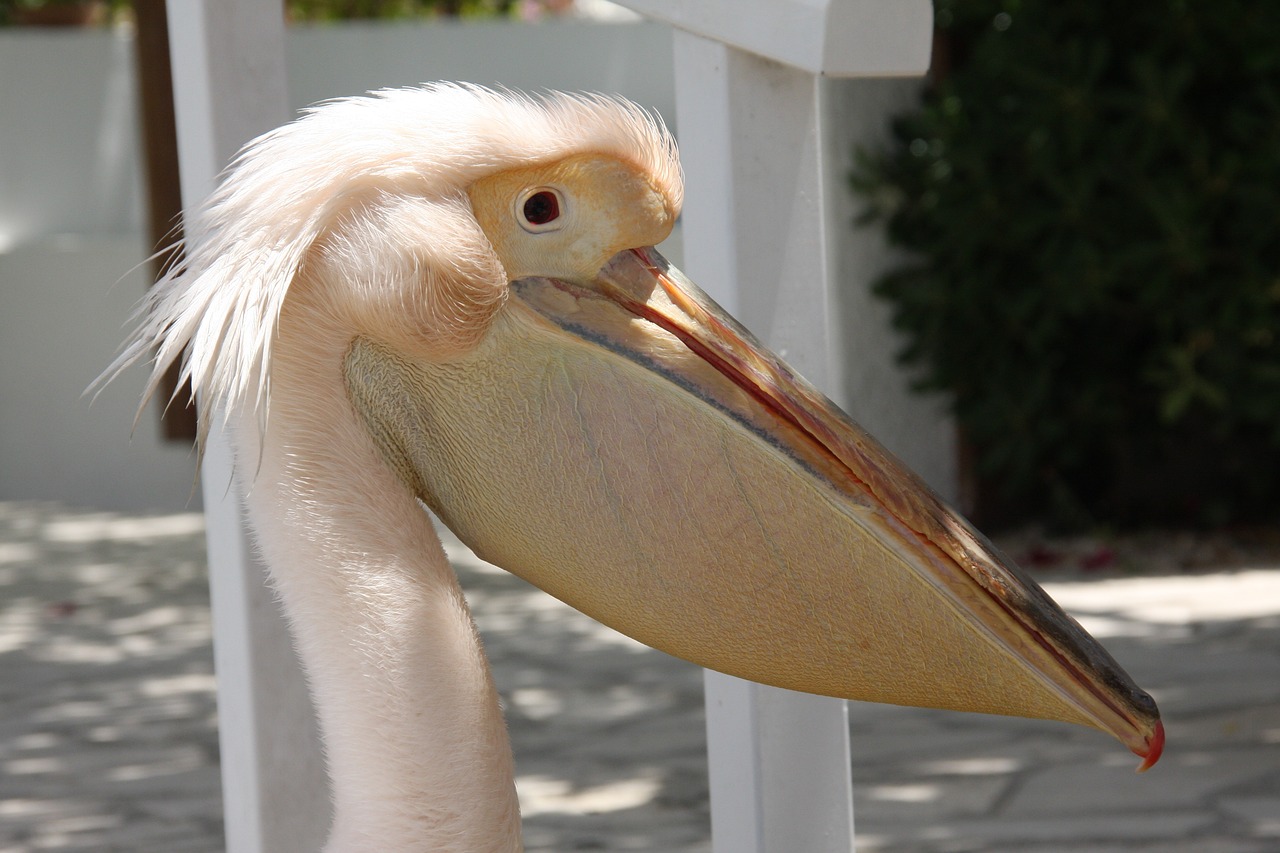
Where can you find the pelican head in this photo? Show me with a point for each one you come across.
(449, 295)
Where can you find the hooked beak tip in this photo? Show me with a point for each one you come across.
(1155, 746)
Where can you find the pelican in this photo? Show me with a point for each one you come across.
(448, 297)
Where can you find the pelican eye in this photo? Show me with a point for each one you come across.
(539, 210)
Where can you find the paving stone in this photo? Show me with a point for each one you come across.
(1184, 780)
(1055, 829)
(1261, 814)
(1207, 844)
(1201, 844)
(929, 800)
(108, 721)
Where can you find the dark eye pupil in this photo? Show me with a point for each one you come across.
(541, 208)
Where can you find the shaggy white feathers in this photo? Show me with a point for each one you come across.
(246, 245)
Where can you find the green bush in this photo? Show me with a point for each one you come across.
(342, 10)
(1091, 195)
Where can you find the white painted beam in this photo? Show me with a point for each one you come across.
(756, 238)
(836, 38)
(229, 86)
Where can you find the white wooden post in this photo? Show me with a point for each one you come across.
(751, 106)
(229, 86)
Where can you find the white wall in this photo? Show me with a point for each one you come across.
(68, 160)
(70, 226)
(628, 59)
(70, 235)
(60, 323)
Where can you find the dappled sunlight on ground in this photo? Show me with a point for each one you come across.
(609, 735)
(1207, 646)
(1142, 606)
(108, 738)
(542, 795)
(108, 732)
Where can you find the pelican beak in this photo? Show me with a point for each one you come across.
(626, 445)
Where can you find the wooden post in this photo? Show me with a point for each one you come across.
(164, 196)
(751, 109)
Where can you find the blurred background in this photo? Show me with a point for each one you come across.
(1090, 193)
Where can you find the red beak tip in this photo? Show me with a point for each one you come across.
(1155, 747)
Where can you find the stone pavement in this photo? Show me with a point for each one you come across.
(108, 739)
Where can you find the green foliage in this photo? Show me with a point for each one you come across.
(331, 10)
(1092, 199)
(59, 12)
(337, 10)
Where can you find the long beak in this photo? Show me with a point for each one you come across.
(630, 448)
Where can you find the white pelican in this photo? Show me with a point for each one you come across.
(448, 296)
